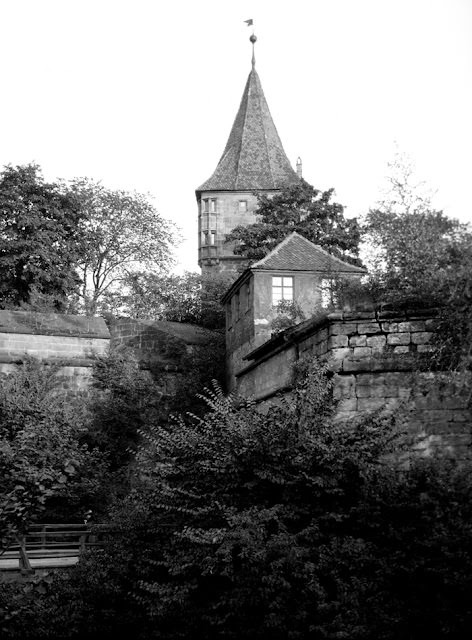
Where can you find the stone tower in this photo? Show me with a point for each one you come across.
(253, 162)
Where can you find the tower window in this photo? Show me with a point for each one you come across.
(242, 206)
(213, 205)
(208, 237)
(282, 289)
(206, 205)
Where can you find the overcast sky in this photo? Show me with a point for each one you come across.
(142, 95)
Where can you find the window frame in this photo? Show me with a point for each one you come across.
(285, 288)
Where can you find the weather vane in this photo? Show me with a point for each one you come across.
(253, 39)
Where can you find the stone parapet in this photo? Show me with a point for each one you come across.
(381, 362)
(73, 342)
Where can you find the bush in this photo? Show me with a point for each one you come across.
(44, 464)
(277, 523)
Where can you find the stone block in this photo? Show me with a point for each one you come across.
(369, 327)
(423, 337)
(437, 415)
(378, 391)
(356, 315)
(412, 325)
(462, 416)
(339, 328)
(394, 378)
(401, 349)
(348, 405)
(350, 365)
(358, 341)
(389, 327)
(376, 342)
(363, 391)
(398, 338)
(390, 391)
(369, 378)
(370, 404)
(362, 352)
(337, 341)
(344, 386)
(425, 348)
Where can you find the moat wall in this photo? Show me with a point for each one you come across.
(380, 361)
(71, 341)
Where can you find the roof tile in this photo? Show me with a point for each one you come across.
(253, 157)
(297, 253)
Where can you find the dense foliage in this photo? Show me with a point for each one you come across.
(191, 297)
(44, 464)
(40, 239)
(71, 246)
(122, 233)
(303, 209)
(272, 524)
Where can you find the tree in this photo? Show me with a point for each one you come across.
(272, 524)
(414, 252)
(191, 297)
(303, 209)
(40, 239)
(42, 458)
(123, 234)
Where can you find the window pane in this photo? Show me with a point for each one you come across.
(276, 281)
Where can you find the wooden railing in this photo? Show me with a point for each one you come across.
(50, 545)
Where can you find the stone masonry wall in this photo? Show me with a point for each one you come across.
(71, 341)
(380, 362)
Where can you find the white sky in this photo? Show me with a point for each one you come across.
(142, 94)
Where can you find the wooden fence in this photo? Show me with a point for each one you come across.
(47, 546)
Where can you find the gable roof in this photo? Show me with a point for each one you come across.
(253, 157)
(296, 253)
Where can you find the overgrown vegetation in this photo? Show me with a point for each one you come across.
(249, 523)
(45, 464)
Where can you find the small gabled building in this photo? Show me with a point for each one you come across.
(298, 274)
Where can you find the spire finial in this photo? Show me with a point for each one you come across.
(253, 39)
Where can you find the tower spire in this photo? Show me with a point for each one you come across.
(253, 39)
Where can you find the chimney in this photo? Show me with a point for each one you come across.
(299, 167)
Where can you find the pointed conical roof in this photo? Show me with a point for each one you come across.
(253, 157)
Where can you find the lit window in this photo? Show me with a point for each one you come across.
(282, 289)
(212, 237)
(242, 206)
